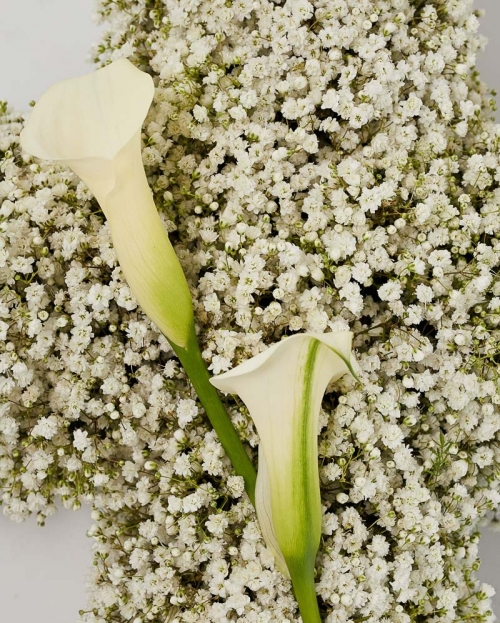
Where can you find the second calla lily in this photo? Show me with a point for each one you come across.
(93, 125)
(283, 388)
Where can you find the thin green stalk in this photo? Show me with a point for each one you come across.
(196, 369)
(305, 591)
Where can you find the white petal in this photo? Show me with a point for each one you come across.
(144, 251)
(265, 514)
(93, 124)
(283, 389)
(261, 386)
(93, 116)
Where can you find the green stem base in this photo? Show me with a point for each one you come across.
(196, 369)
(305, 592)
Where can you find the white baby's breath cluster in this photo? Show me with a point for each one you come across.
(320, 165)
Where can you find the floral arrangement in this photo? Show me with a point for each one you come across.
(321, 167)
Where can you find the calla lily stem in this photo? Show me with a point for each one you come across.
(195, 367)
(305, 592)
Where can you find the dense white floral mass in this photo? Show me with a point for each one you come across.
(320, 165)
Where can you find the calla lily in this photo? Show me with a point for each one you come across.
(283, 388)
(93, 125)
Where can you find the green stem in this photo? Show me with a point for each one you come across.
(305, 592)
(196, 369)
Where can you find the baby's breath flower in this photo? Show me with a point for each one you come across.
(318, 166)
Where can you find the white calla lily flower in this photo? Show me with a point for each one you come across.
(93, 125)
(283, 388)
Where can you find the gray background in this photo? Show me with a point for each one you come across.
(42, 571)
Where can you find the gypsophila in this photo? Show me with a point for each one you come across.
(320, 165)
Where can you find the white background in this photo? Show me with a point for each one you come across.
(42, 570)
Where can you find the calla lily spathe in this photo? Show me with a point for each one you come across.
(93, 125)
(283, 388)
